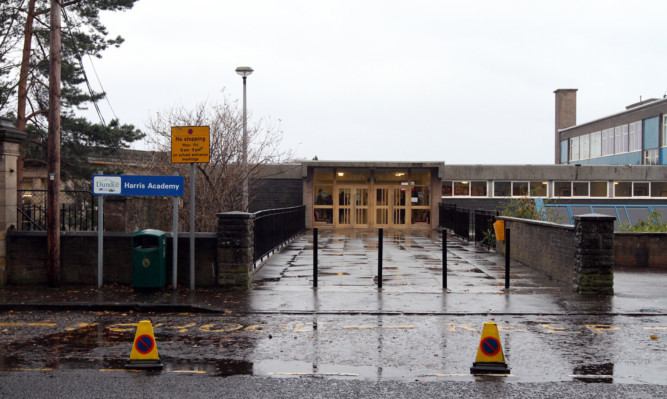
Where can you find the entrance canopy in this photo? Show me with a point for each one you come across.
(372, 194)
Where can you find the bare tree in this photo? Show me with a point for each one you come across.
(218, 184)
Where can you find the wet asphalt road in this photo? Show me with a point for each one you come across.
(346, 338)
(602, 349)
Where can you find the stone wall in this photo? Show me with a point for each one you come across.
(640, 250)
(581, 255)
(547, 247)
(27, 258)
(235, 246)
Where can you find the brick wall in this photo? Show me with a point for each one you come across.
(275, 193)
(547, 247)
(640, 250)
(27, 258)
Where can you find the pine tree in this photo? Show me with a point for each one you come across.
(83, 35)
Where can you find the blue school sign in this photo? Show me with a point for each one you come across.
(157, 186)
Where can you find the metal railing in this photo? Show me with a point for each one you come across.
(483, 225)
(275, 227)
(456, 220)
(77, 212)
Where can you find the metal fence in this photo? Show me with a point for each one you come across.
(275, 227)
(456, 220)
(462, 222)
(483, 225)
(77, 210)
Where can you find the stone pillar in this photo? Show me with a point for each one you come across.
(236, 245)
(594, 255)
(10, 138)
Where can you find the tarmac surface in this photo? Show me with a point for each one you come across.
(347, 283)
(284, 337)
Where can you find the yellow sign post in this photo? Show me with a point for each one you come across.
(490, 358)
(144, 350)
(190, 144)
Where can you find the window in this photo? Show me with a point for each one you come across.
(621, 139)
(664, 131)
(580, 189)
(562, 189)
(596, 144)
(462, 188)
(636, 136)
(659, 189)
(447, 189)
(622, 188)
(563, 151)
(584, 146)
(502, 188)
(608, 142)
(640, 189)
(519, 189)
(652, 157)
(478, 189)
(538, 189)
(574, 149)
(598, 189)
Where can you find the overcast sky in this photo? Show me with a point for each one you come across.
(453, 81)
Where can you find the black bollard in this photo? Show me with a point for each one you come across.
(314, 257)
(507, 259)
(380, 259)
(444, 258)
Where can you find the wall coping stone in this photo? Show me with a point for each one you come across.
(595, 216)
(236, 215)
(538, 222)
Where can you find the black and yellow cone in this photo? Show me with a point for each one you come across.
(490, 358)
(144, 354)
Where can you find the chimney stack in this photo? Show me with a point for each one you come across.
(566, 113)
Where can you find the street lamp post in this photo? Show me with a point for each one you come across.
(245, 71)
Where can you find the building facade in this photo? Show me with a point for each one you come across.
(636, 136)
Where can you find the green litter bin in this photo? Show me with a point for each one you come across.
(149, 253)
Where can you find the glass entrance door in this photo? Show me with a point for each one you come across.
(352, 207)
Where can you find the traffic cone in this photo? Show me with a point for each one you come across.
(490, 358)
(144, 350)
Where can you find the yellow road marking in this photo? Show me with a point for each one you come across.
(188, 371)
(30, 369)
(231, 327)
(80, 325)
(600, 328)
(42, 324)
(451, 327)
(655, 328)
(384, 327)
(11, 324)
(122, 327)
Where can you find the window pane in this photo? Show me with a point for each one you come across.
(659, 189)
(502, 188)
(596, 144)
(598, 189)
(446, 188)
(640, 190)
(479, 189)
(608, 142)
(621, 139)
(635, 136)
(574, 149)
(580, 189)
(520, 188)
(622, 189)
(584, 146)
(538, 189)
(462, 188)
(563, 151)
(562, 189)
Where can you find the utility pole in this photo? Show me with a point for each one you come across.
(53, 185)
